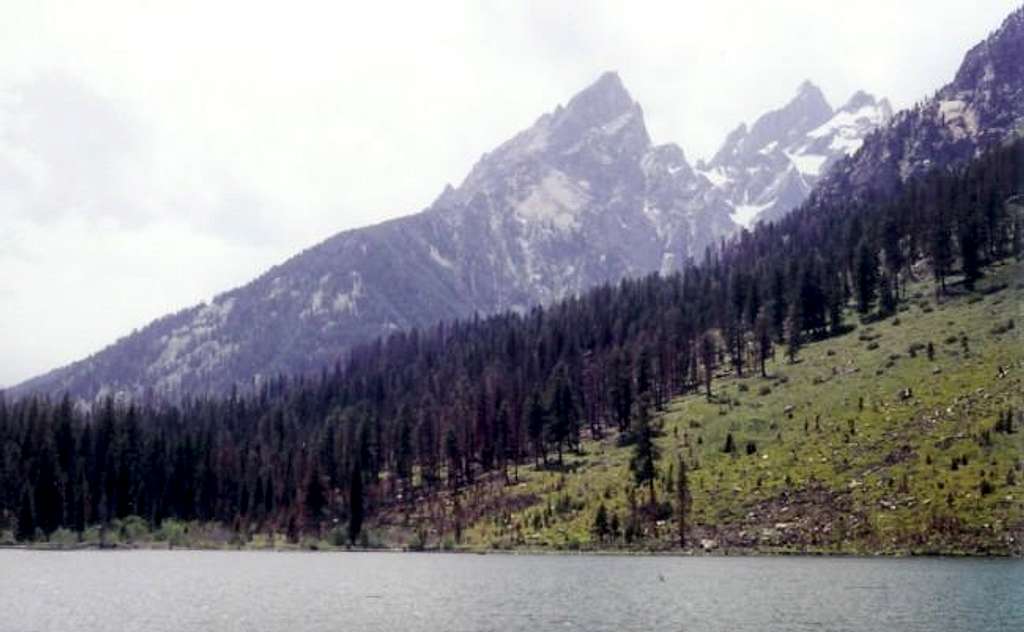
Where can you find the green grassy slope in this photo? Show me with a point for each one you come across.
(846, 460)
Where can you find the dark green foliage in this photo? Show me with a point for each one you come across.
(866, 276)
(356, 507)
(645, 452)
(986, 487)
(683, 500)
(601, 527)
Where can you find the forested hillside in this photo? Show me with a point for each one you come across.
(427, 418)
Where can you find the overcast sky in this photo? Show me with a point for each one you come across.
(153, 154)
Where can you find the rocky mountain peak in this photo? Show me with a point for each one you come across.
(984, 104)
(766, 171)
(593, 138)
(858, 100)
(995, 61)
(807, 110)
(601, 102)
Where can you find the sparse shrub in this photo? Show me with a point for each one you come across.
(1002, 328)
(64, 538)
(338, 536)
(134, 529)
(751, 448)
(986, 487)
(173, 533)
(872, 346)
(764, 390)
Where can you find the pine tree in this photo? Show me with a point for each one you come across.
(403, 451)
(887, 298)
(621, 392)
(682, 500)
(709, 359)
(601, 523)
(941, 247)
(763, 337)
(355, 503)
(645, 452)
(561, 413)
(535, 419)
(26, 518)
(316, 495)
(794, 335)
(454, 455)
(866, 277)
(970, 244)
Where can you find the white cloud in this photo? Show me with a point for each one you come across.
(139, 137)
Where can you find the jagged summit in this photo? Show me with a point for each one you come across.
(858, 100)
(578, 198)
(995, 61)
(982, 105)
(770, 168)
(600, 102)
(597, 133)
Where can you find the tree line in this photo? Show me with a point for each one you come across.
(438, 408)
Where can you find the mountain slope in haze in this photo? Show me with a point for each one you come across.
(984, 104)
(580, 198)
(767, 170)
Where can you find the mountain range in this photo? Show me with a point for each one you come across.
(580, 198)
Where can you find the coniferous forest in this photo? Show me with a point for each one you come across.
(436, 410)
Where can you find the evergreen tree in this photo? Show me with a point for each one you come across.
(763, 338)
(645, 452)
(355, 503)
(535, 421)
(794, 335)
(866, 279)
(970, 258)
(601, 527)
(708, 359)
(316, 495)
(682, 500)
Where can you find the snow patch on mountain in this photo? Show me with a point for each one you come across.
(348, 302)
(745, 214)
(766, 170)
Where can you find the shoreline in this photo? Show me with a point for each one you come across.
(535, 552)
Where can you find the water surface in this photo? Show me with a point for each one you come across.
(188, 591)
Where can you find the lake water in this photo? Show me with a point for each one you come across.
(187, 591)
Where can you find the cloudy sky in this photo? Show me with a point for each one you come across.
(153, 153)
